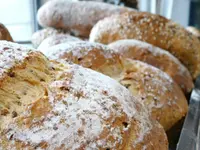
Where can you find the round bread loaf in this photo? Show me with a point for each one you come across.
(153, 29)
(40, 35)
(194, 31)
(57, 39)
(4, 33)
(76, 108)
(159, 93)
(77, 17)
(156, 57)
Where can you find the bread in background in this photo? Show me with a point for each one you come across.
(153, 29)
(156, 57)
(4, 33)
(56, 39)
(77, 17)
(42, 34)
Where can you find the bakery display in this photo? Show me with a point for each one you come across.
(153, 29)
(156, 57)
(57, 39)
(42, 34)
(4, 33)
(154, 88)
(77, 17)
(55, 105)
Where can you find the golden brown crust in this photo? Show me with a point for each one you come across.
(77, 17)
(152, 86)
(156, 57)
(152, 29)
(4, 33)
(78, 108)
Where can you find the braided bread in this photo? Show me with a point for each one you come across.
(153, 29)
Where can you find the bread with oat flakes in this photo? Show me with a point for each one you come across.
(159, 93)
(55, 105)
(153, 29)
(156, 57)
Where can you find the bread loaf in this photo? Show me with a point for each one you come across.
(4, 33)
(194, 31)
(76, 17)
(156, 57)
(40, 35)
(76, 108)
(57, 39)
(159, 93)
(152, 29)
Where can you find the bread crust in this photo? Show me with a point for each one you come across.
(42, 34)
(77, 17)
(153, 29)
(156, 57)
(57, 39)
(4, 33)
(159, 93)
(78, 108)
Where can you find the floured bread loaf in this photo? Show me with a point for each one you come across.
(57, 39)
(41, 35)
(159, 93)
(4, 33)
(77, 17)
(152, 29)
(156, 57)
(70, 108)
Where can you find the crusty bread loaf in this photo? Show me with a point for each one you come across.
(76, 17)
(161, 95)
(76, 108)
(194, 31)
(153, 29)
(4, 33)
(40, 35)
(156, 57)
(57, 39)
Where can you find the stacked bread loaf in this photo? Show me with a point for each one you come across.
(144, 65)
(155, 89)
(72, 17)
(55, 105)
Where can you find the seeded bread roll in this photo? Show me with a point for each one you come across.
(156, 57)
(41, 35)
(57, 39)
(194, 31)
(74, 107)
(152, 29)
(77, 17)
(159, 93)
(4, 33)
